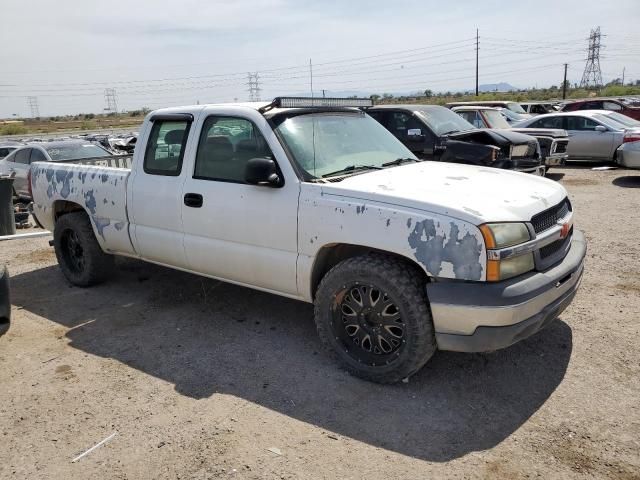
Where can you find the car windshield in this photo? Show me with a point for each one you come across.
(496, 120)
(442, 120)
(610, 122)
(74, 151)
(620, 118)
(323, 143)
(515, 107)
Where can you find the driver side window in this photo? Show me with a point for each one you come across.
(226, 145)
(581, 124)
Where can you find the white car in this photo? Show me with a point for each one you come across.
(311, 200)
(594, 135)
(18, 162)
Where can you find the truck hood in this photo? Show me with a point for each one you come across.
(500, 136)
(466, 192)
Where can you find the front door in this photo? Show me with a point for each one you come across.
(585, 141)
(234, 230)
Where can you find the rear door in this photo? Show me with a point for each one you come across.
(155, 190)
(234, 230)
(585, 141)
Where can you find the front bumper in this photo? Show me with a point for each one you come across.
(628, 155)
(480, 317)
(5, 301)
(556, 160)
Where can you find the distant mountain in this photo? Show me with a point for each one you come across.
(496, 87)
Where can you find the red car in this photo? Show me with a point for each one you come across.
(612, 104)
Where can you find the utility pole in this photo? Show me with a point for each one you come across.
(111, 101)
(623, 69)
(311, 77)
(33, 105)
(564, 82)
(477, 49)
(254, 86)
(592, 76)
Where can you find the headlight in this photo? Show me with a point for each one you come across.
(502, 235)
(510, 267)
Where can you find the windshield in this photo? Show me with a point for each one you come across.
(322, 143)
(442, 120)
(75, 151)
(623, 119)
(515, 107)
(495, 119)
(610, 122)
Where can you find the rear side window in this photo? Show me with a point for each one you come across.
(22, 156)
(226, 145)
(166, 146)
(37, 156)
(612, 106)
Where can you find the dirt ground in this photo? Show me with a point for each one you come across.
(202, 379)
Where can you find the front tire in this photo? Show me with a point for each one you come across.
(372, 314)
(79, 255)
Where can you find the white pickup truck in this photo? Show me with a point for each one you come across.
(314, 200)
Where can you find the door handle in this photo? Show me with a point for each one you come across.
(193, 200)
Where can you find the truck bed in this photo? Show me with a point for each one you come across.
(96, 185)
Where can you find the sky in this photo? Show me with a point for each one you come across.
(165, 53)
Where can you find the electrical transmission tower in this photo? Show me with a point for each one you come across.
(33, 105)
(111, 100)
(592, 76)
(254, 86)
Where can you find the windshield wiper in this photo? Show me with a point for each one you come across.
(399, 161)
(352, 168)
(450, 132)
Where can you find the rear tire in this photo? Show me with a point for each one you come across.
(79, 255)
(373, 315)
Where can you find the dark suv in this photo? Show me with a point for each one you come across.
(432, 132)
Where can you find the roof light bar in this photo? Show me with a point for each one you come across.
(308, 102)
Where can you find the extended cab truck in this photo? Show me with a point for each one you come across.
(322, 204)
(432, 132)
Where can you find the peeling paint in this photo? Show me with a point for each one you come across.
(458, 178)
(90, 201)
(119, 226)
(388, 222)
(432, 247)
(101, 223)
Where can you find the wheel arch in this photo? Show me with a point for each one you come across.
(330, 255)
(62, 207)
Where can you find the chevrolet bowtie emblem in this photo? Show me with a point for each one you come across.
(564, 231)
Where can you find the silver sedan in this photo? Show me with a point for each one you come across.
(595, 135)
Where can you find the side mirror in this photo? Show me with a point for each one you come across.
(601, 128)
(262, 171)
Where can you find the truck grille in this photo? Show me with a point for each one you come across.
(555, 247)
(561, 146)
(545, 220)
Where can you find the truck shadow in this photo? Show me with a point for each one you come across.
(208, 337)
(629, 181)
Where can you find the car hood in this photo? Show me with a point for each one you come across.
(542, 132)
(501, 136)
(473, 194)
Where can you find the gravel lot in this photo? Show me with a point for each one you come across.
(201, 379)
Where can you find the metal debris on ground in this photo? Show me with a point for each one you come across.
(99, 444)
(275, 450)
